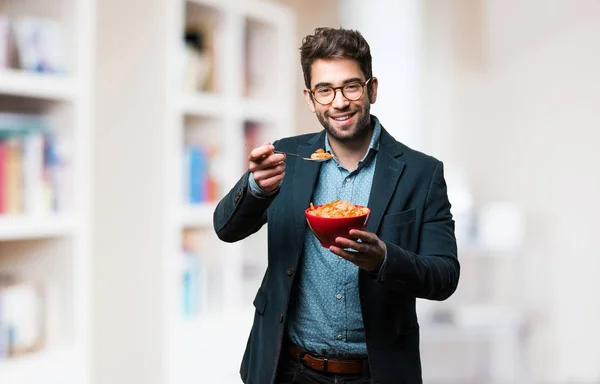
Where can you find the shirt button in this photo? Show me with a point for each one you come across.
(290, 271)
(281, 317)
(338, 296)
(347, 179)
(340, 337)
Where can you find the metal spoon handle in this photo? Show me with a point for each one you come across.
(303, 158)
(293, 154)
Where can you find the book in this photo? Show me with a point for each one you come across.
(39, 44)
(21, 318)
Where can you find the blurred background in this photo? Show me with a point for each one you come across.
(122, 123)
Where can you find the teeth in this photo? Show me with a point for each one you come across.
(342, 118)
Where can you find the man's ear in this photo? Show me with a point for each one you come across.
(372, 89)
(309, 100)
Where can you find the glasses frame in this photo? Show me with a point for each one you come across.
(341, 88)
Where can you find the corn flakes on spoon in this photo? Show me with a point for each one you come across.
(318, 156)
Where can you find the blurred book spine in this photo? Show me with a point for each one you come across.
(30, 165)
(199, 179)
(21, 318)
(199, 56)
(192, 280)
(193, 275)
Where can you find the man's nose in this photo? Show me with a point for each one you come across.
(339, 100)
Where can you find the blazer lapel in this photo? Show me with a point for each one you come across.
(306, 174)
(385, 180)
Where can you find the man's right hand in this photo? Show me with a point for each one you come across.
(267, 167)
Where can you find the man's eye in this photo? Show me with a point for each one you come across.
(323, 91)
(352, 87)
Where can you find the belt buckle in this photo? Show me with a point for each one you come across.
(325, 361)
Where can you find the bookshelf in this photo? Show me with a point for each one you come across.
(250, 100)
(175, 96)
(45, 252)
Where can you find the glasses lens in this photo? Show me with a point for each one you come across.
(324, 95)
(352, 91)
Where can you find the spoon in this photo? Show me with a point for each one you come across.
(305, 158)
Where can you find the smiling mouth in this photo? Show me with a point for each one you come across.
(342, 118)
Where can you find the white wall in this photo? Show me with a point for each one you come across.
(524, 85)
(509, 91)
(392, 29)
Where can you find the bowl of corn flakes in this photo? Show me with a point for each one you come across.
(336, 219)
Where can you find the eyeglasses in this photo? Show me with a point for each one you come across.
(351, 91)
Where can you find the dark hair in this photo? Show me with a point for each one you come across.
(332, 43)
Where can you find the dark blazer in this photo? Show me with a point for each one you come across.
(410, 212)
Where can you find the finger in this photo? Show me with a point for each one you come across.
(263, 174)
(353, 257)
(266, 161)
(345, 242)
(267, 165)
(275, 159)
(339, 251)
(271, 183)
(366, 237)
(262, 152)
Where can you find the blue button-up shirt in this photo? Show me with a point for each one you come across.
(327, 318)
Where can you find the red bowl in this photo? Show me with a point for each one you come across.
(326, 229)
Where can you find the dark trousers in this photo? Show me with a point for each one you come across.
(294, 372)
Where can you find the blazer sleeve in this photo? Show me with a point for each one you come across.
(240, 213)
(434, 272)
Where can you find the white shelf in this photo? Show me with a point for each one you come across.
(219, 4)
(202, 104)
(44, 86)
(256, 109)
(47, 367)
(198, 215)
(266, 12)
(247, 108)
(21, 227)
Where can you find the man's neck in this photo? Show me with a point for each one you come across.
(349, 153)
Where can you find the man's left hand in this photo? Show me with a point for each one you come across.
(370, 251)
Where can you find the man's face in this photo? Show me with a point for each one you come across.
(343, 119)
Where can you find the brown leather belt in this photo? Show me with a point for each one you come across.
(324, 364)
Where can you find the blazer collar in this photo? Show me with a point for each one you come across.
(388, 169)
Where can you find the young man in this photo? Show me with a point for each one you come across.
(343, 314)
